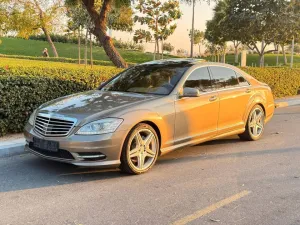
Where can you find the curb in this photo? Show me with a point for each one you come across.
(286, 103)
(12, 148)
(281, 104)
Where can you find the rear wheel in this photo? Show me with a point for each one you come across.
(255, 124)
(140, 150)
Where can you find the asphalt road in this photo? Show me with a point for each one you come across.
(221, 182)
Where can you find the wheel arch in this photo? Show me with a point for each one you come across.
(155, 127)
(256, 100)
(148, 122)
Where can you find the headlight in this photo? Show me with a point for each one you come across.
(103, 126)
(32, 118)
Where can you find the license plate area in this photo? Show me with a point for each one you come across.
(50, 146)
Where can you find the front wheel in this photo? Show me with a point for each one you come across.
(255, 124)
(140, 150)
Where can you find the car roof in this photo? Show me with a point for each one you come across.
(174, 61)
(189, 62)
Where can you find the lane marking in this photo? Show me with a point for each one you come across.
(211, 208)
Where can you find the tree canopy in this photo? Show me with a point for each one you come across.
(160, 18)
(254, 23)
(33, 16)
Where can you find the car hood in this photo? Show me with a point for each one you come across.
(100, 103)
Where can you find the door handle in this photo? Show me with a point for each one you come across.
(248, 90)
(213, 98)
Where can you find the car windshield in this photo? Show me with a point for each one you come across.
(156, 78)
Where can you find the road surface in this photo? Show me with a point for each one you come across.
(221, 182)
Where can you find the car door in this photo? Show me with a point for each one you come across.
(197, 117)
(234, 96)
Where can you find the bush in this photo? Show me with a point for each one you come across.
(283, 81)
(59, 38)
(128, 45)
(24, 85)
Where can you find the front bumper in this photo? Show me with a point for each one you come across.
(81, 150)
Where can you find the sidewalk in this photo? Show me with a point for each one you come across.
(14, 144)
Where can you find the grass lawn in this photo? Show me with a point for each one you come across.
(25, 63)
(16, 46)
(270, 59)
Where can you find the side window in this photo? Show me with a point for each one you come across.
(242, 80)
(223, 77)
(199, 79)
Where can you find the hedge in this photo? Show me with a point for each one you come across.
(283, 81)
(25, 84)
(24, 87)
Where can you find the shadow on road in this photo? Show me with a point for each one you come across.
(28, 171)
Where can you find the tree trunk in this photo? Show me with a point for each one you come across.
(79, 43)
(154, 54)
(223, 58)
(261, 60)
(292, 53)
(99, 31)
(162, 49)
(86, 47)
(261, 55)
(45, 30)
(50, 41)
(277, 56)
(236, 54)
(91, 50)
(200, 50)
(284, 55)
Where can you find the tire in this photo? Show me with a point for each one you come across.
(255, 124)
(139, 154)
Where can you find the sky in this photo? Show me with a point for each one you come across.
(180, 38)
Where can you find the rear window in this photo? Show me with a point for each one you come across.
(223, 77)
(242, 80)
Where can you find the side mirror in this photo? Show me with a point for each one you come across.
(189, 92)
(101, 85)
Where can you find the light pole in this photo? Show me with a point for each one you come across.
(192, 32)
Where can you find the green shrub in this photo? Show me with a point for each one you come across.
(59, 38)
(128, 45)
(283, 81)
(24, 87)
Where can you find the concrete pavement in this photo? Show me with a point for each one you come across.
(206, 183)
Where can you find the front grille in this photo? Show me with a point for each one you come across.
(47, 125)
(62, 154)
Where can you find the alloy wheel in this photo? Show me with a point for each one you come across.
(143, 147)
(256, 123)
